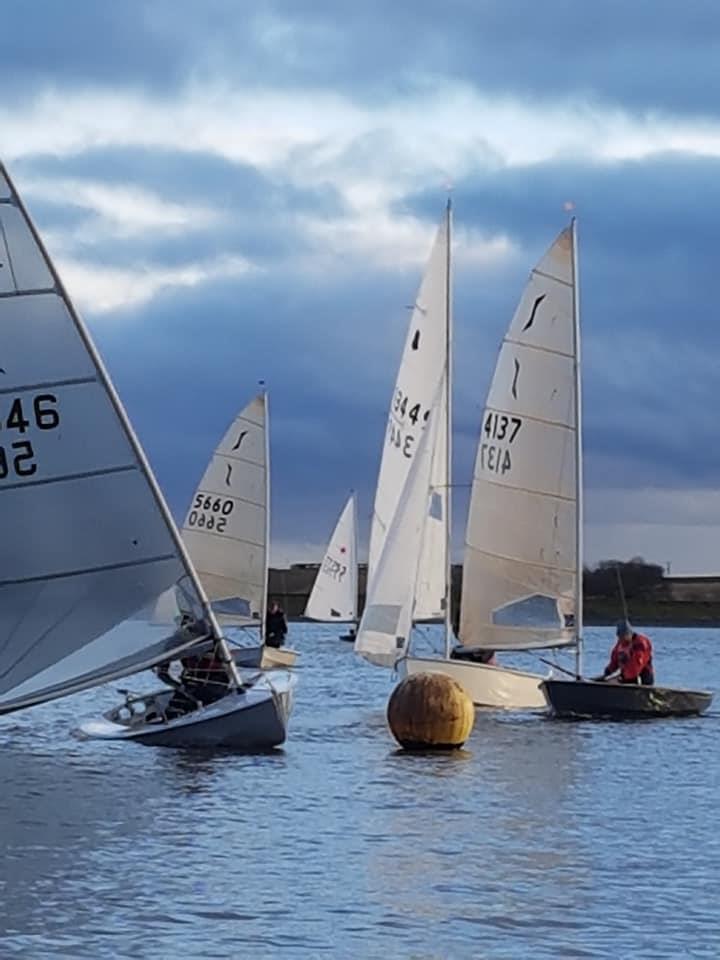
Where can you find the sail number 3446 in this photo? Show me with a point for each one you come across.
(17, 457)
(399, 434)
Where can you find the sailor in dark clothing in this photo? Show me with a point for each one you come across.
(204, 679)
(276, 627)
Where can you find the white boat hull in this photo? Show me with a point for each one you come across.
(253, 719)
(486, 685)
(264, 658)
(278, 657)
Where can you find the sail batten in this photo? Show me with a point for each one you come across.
(48, 385)
(46, 577)
(520, 576)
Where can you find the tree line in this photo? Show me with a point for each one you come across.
(636, 578)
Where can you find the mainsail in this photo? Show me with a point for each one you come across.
(387, 619)
(521, 568)
(87, 541)
(334, 593)
(226, 526)
(421, 368)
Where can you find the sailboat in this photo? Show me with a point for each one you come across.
(411, 583)
(522, 574)
(334, 595)
(88, 541)
(227, 533)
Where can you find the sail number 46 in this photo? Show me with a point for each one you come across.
(17, 458)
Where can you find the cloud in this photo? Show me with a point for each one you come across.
(105, 289)
(121, 209)
(252, 194)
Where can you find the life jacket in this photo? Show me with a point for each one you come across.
(631, 657)
(205, 669)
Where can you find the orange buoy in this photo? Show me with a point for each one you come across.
(430, 711)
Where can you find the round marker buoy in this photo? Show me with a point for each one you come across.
(430, 711)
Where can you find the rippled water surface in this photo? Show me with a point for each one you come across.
(540, 839)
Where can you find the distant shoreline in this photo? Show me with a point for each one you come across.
(291, 587)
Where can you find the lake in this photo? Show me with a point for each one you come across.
(540, 839)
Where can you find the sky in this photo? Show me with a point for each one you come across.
(236, 192)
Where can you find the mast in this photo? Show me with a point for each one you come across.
(448, 436)
(266, 572)
(578, 460)
(356, 566)
(132, 437)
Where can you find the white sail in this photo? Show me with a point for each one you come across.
(225, 528)
(521, 552)
(334, 593)
(421, 368)
(432, 569)
(387, 619)
(87, 541)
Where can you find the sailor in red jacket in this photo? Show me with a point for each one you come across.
(632, 656)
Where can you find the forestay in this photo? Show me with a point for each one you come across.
(87, 540)
(388, 616)
(334, 593)
(421, 368)
(226, 526)
(521, 552)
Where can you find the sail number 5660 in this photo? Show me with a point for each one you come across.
(210, 513)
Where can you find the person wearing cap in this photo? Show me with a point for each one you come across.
(631, 656)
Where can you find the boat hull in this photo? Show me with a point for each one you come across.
(265, 658)
(247, 656)
(486, 685)
(278, 657)
(255, 719)
(587, 699)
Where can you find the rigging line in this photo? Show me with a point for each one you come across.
(622, 592)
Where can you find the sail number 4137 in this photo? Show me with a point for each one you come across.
(17, 458)
(499, 432)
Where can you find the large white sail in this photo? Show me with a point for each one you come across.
(87, 541)
(388, 616)
(421, 368)
(226, 527)
(521, 552)
(334, 593)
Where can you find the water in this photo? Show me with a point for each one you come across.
(540, 839)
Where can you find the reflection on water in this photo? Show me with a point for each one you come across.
(539, 839)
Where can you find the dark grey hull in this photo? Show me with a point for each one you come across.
(255, 719)
(587, 699)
